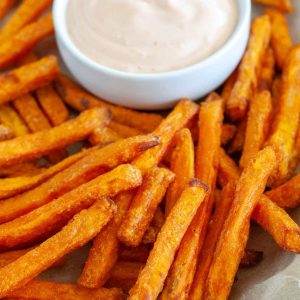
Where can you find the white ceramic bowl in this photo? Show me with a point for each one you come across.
(156, 90)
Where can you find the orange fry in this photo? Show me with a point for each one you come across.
(6, 133)
(123, 130)
(207, 160)
(182, 165)
(237, 143)
(5, 6)
(228, 132)
(228, 86)
(82, 228)
(258, 125)
(283, 5)
(286, 121)
(251, 258)
(20, 43)
(137, 254)
(30, 168)
(103, 136)
(45, 290)
(248, 71)
(42, 142)
(233, 239)
(25, 79)
(151, 279)
(80, 100)
(267, 71)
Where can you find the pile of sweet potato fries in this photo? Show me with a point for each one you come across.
(167, 202)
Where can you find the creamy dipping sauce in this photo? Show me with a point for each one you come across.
(150, 36)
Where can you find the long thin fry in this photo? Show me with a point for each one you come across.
(237, 142)
(5, 6)
(80, 100)
(267, 71)
(249, 68)
(42, 142)
(283, 5)
(82, 228)
(151, 279)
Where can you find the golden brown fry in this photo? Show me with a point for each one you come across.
(6, 133)
(42, 142)
(5, 6)
(25, 13)
(233, 239)
(182, 165)
(258, 126)
(80, 100)
(228, 86)
(238, 141)
(151, 279)
(94, 164)
(251, 258)
(142, 209)
(228, 132)
(285, 231)
(207, 160)
(283, 5)
(123, 130)
(20, 43)
(45, 290)
(25, 79)
(103, 136)
(138, 254)
(267, 71)
(248, 71)
(82, 228)
(213, 233)
(43, 221)
(286, 121)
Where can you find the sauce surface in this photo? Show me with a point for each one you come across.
(150, 36)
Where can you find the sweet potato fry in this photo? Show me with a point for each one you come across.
(123, 130)
(142, 209)
(207, 160)
(237, 143)
(25, 79)
(26, 13)
(251, 258)
(276, 91)
(295, 160)
(24, 40)
(80, 100)
(267, 71)
(44, 290)
(6, 133)
(286, 121)
(47, 219)
(258, 126)
(94, 164)
(82, 228)
(11, 119)
(103, 136)
(228, 86)
(151, 279)
(5, 6)
(42, 142)
(135, 254)
(233, 239)
(228, 132)
(249, 69)
(29, 168)
(213, 233)
(285, 231)
(281, 40)
(283, 5)
(182, 165)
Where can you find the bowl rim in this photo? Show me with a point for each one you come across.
(60, 24)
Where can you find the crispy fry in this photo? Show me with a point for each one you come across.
(103, 136)
(258, 125)
(251, 258)
(24, 40)
(182, 165)
(142, 209)
(283, 5)
(80, 100)
(5, 6)
(207, 160)
(286, 120)
(45, 290)
(151, 279)
(248, 71)
(26, 13)
(45, 220)
(11, 119)
(25, 79)
(94, 164)
(233, 239)
(6, 133)
(138, 254)
(82, 228)
(228, 86)
(52, 105)
(239, 138)
(267, 71)
(213, 233)
(228, 132)
(285, 231)
(42, 142)
(123, 130)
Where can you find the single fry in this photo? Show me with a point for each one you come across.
(151, 279)
(80, 100)
(283, 5)
(249, 68)
(5, 6)
(103, 136)
(124, 131)
(182, 165)
(25, 79)
(267, 71)
(29, 168)
(6, 133)
(44, 290)
(87, 168)
(228, 133)
(28, 11)
(134, 254)
(278, 224)
(251, 258)
(45, 220)
(228, 86)
(276, 91)
(286, 121)
(258, 126)
(143, 206)
(82, 228)
(24, 40)
(42, 142)
(237, 143)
